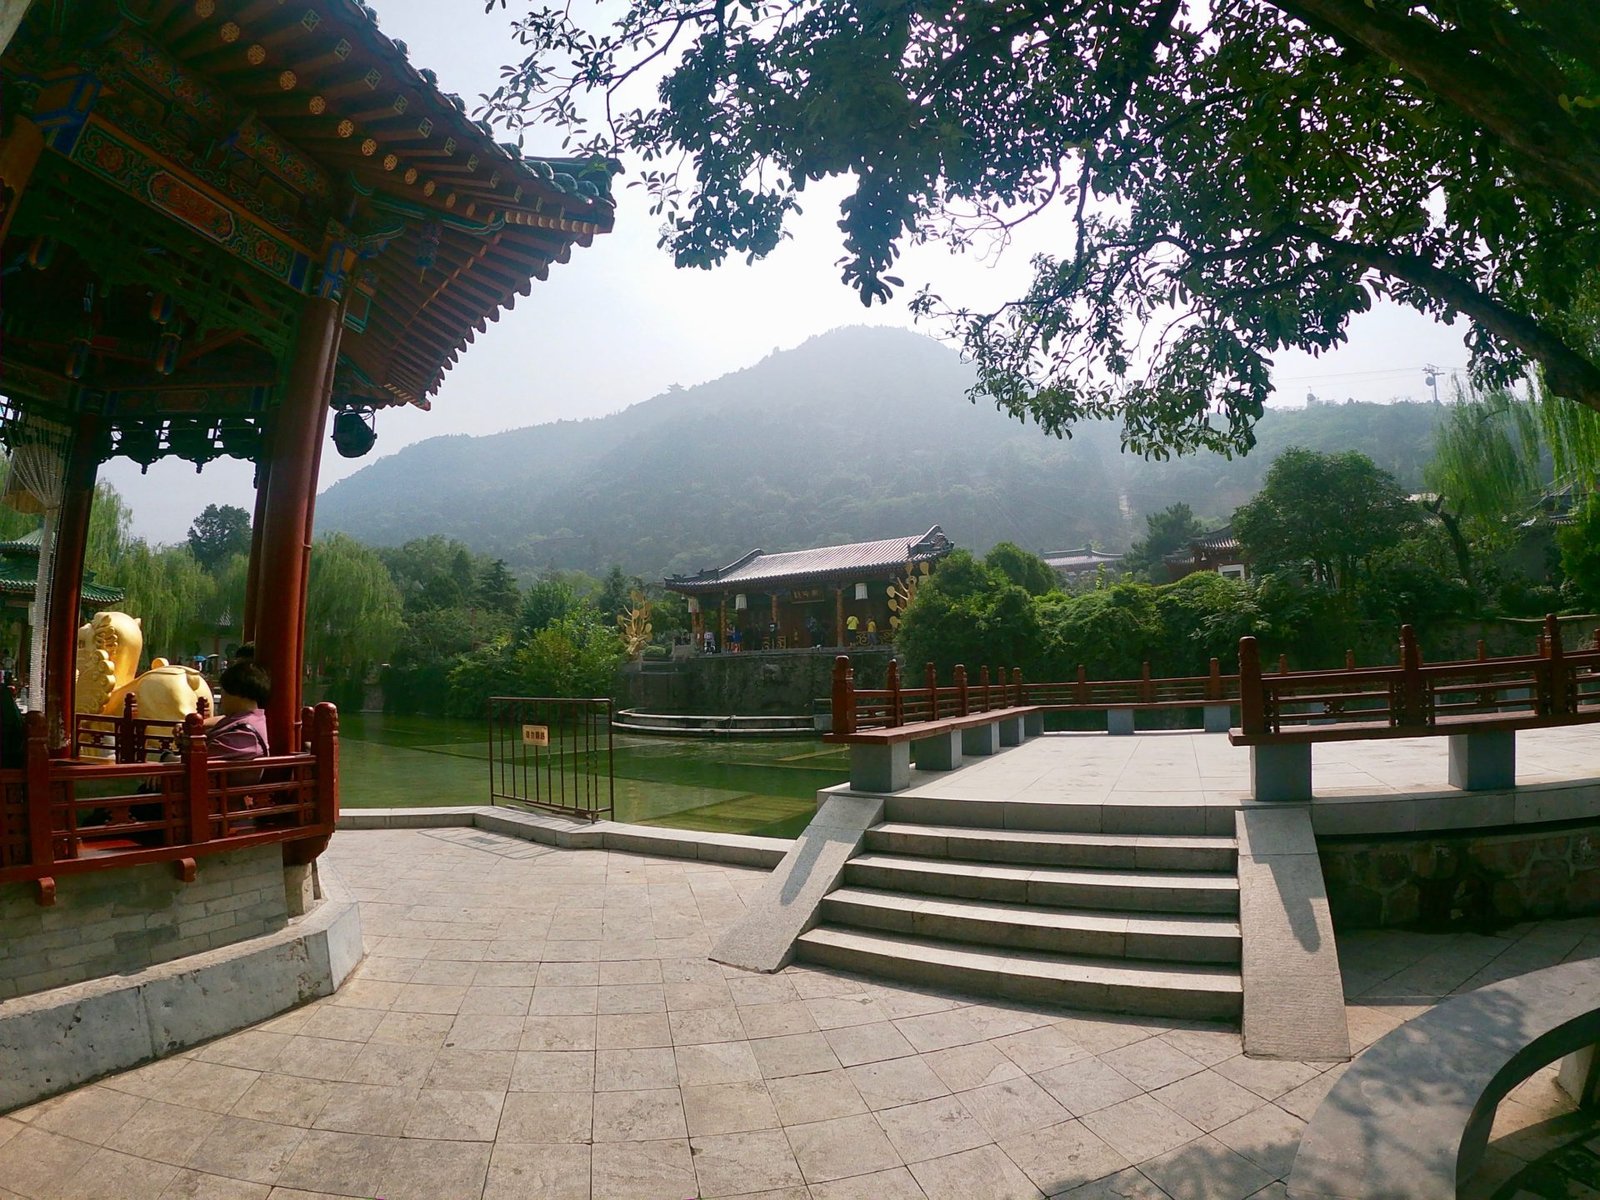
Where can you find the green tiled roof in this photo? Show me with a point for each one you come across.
(19, 572)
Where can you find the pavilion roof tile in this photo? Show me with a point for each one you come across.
(824, 562)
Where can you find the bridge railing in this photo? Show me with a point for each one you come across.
(1553, 686)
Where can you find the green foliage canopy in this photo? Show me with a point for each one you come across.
(1166, 532)
(218, 533)
(1242, 177)
(1028, 571)
(1331, 511)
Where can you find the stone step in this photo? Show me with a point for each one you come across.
(1172, 937)
(1064, 887)
(1109, 985)
(1186, 819)
(1129, 851)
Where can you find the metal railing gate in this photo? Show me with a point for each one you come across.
(552, 753)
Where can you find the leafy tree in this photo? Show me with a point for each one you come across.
(1328, 511)
(1244, 176)
(1166, 532)
(969, 613)
(1112, 632)
(110, 520)
(544, 602)
(432, 572)
(1028, 571)
(218, 533)
(353, 612)
(612, 600)
(497, 590)
(170, 592)
(1580, 552)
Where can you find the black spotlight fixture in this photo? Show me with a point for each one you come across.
(353, 434)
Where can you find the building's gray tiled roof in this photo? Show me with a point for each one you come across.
(858, 558)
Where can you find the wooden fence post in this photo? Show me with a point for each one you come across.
(1560, 700)
(130, 746)
(197, 781)
(897, 710)
(963, 697)
(1252, 699)
(1413, 696)
(1214, 681)
(41, 845)
(324, 724)
(1283, 664)
(1147, 690)
(1349, 660)
(844, 695)
(983, 683)
(1083, 685)
(1016, 686)
(930, 680)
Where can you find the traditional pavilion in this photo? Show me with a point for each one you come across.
(1073, 565)
(1217, 551)
(226, 225)
(810, 595)
(19, 577)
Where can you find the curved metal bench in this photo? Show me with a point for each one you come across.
(1411, 1117)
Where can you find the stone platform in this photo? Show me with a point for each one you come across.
(537, 1022)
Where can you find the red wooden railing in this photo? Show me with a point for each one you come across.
(1551, 687)
(65, 816)
(128, 738)
(858, 709)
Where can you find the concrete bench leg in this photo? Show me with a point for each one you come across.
(1579, 1076)
(1218, 718)
(1011, 731)
(1033, 724)
(880, 768)
(981, 739)
(1119, 721)
(1483, 761)
(939, 753)
(1281, 772)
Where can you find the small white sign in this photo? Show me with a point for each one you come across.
(536, 735)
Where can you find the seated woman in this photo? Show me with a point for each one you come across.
(240, 731)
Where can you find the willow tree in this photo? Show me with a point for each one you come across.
(353, 611)
(1240, 176)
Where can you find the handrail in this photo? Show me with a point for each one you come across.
(66, 816)
(1559, 685)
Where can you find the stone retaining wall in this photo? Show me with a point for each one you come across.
(120, 921)
(747, 685)
(1486, 879)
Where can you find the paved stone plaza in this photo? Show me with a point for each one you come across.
(533, 1022)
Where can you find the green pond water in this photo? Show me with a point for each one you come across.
(728, 786)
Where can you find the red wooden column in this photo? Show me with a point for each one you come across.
(292, 452)
(247, 619)
(66, 583)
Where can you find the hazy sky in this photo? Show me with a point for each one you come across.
(618, 324)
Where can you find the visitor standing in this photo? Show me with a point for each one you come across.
(711, 642)
(872, 631)
(814, 630)
(851, 624)
(772, 635)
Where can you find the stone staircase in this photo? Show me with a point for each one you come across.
(1118, 921)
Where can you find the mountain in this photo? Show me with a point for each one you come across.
(861, 433)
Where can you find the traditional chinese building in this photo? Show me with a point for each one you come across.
(1217, 551)
(19, 577)
(225, 226)
(1072, 565)
(810, 595)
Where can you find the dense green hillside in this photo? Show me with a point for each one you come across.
(860, 433)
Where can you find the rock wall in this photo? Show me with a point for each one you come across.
(1487, 880)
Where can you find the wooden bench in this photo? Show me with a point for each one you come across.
(1478, 705)
(1411, 1117)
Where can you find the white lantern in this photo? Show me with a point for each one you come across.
(861, 591)
(739, 602)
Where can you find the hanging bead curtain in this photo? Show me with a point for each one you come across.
(34, 485)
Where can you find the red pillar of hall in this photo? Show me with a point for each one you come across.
(281, 560)
(66, 582)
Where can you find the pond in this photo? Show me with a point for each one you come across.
(723, 785)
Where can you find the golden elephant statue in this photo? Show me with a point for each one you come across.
(109, 647)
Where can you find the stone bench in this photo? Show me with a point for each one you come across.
(880, 759)
(1483, 751)
(1411, 1117)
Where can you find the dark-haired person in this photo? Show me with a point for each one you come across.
(240, 731)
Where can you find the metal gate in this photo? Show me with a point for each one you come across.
(552, 753)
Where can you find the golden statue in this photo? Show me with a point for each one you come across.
(109, 647)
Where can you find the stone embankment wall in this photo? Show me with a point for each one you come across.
(120, 921)
(1487, 880)
(785, 683)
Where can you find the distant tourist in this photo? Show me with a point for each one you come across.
(851, 624)
(772, 635)
(872, 631)
(711, 642)
(814, 630)
(735, 640)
